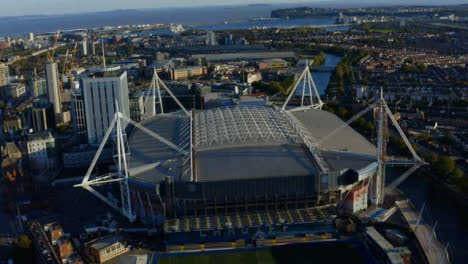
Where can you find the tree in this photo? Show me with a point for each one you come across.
(24, 241)
(366, 27)
(62, 129)
(286, 83)
(432, 159)
(447, 139)
(369, 127)
(425, 137)
(328, 108)
(444, 165)
(268, 88)
(457, 174)
(342, 112)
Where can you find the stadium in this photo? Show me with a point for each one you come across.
(243, 165)
(245, 155)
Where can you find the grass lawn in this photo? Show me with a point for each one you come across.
(300, 253)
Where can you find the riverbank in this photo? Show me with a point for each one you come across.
(441, 206)
(443, 186)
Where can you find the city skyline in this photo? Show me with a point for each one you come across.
(56, 7)
(260, 133)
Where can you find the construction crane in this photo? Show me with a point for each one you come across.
(72, 61)
(69, 64)
(51, 52)
(64, 70)
(65, 63)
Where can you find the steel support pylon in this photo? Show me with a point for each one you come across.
(123, 170)
(122, 174)
(383, 116)
(153, 98)
(381, 150)
(309, 89)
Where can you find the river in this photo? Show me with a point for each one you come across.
(322, 78)
(451, 217)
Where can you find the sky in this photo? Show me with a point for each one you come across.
(46, 7)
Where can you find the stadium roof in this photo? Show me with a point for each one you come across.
(254, 162)
(241, 125)
(245, 142)
(145, 150)
(321, 123)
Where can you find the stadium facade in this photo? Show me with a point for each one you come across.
(244, 156)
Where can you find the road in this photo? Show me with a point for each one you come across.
(34, 54)
(448, 25)
(7, 227)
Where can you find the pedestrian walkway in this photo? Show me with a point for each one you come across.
(434, 251)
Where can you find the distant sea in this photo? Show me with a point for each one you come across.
(21, 25)
(189, 16)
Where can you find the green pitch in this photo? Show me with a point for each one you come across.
(300, 253)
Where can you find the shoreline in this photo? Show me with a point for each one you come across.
(441, 185)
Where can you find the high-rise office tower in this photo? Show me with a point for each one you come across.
(92, 48)
(101, 93)
(42, 118)
(52, 79)
(31, 36)
(228, 40)
(78, 115)
(211, 38)
(4, 75)
(43, 158)
(84, 48)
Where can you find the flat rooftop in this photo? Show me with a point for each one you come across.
(104, 242)
(321, 124)
(253, 162)
(145, 150)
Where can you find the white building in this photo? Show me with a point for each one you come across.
(211, 38)
(31, 36)
(105, 248)
(92, 48)
(16, 90)
(137, 107)
(42, 156)
(52, 79)
(100, 97)
(356, 200)
(38, 87)
(84, 48)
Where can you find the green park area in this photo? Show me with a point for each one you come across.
(299, 253)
